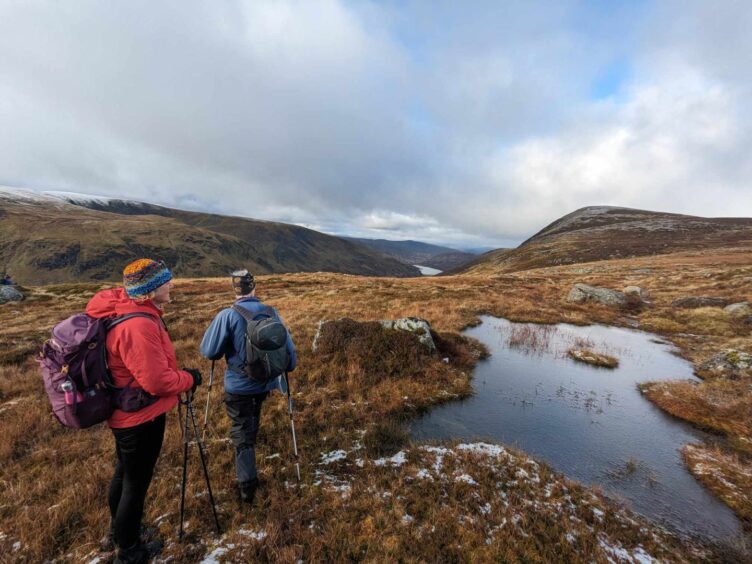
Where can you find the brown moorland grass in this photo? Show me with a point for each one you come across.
(53, 480)
(727, 475)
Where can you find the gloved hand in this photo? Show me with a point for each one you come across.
(196, 378)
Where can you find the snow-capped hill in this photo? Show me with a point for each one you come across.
(12, 194)
(78, 198)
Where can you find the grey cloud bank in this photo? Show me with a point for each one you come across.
(452, 124)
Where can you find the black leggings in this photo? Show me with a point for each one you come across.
(137, 451)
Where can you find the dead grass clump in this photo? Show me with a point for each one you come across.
(369, 352)
(706, 321)
(727, 475)
(661, 325)
(719, 405)
(463, 352)
(587, 356)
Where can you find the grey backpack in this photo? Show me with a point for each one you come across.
(265, 345)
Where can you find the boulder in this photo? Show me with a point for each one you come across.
(637, 291)
(10, 294)
(692, 302)
(730, 363)
(740, 309)
(416, 325)
(581, 293)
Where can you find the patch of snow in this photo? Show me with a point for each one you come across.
(598, 513)
(440, 453)
(255, 535)
(212, 557)
(397, 460)
(483, 448)
(16, 546)
(467, 479)
(424, 474)
(74, 197)
(407, 519)
(334, 456)
(275, 455)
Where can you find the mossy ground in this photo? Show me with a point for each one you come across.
(53, 481)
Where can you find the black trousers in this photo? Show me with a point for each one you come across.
(245, 413)
(137, 451)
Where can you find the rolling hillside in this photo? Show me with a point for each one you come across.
(602, 232)
(50, 238)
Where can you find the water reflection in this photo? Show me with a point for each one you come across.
(590, 423)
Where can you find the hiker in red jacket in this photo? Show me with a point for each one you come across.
(140, 355)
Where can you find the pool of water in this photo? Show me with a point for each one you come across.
(590, 423)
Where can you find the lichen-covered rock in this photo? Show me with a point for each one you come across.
(416, 325)
(692, 302)
(637, 292)
(730, 363)
(10, 294)
(581, 293)
(741, 309)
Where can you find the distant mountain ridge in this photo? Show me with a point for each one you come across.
(604, 232)
(417, 252)
(62, 237)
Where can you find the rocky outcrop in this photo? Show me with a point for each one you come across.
(741, 309)
(10, 294)
(582, 293)
(731, 363)
(415, 325)
(692, 302)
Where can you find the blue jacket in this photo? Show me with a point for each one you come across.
(226, 337)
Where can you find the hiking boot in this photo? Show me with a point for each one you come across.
(139, 553)
(248, 490)
(146, 534)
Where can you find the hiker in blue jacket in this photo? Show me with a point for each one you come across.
(226, 336)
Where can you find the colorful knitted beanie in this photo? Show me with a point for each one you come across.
(145, 275)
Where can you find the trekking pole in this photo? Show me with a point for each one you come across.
(200, 444)
(185, 472)
(292, 426)
(191, 420)
(208, 395)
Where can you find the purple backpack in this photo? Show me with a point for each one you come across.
(76, 376)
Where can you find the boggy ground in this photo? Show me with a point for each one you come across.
(367, 492)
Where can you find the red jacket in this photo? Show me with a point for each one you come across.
(140, 354)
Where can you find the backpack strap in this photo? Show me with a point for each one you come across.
(249, 316)
(118, 320)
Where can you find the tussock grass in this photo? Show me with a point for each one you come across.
(587, 356)
(53, 481)
(714, 405)
(726, 474)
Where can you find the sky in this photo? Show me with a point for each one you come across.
(460, 123)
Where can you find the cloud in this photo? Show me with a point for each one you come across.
(413, 120)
